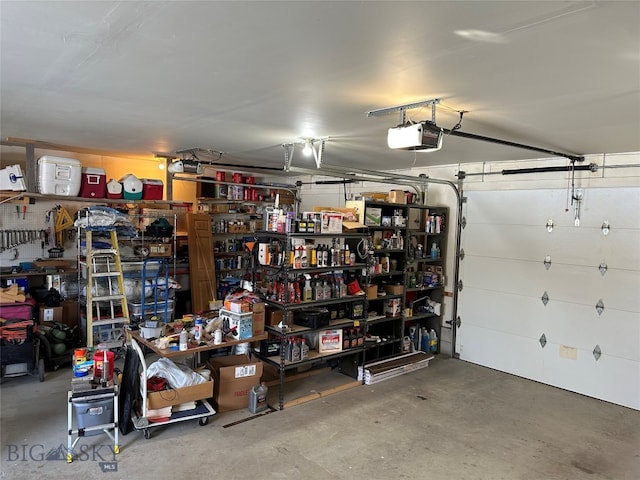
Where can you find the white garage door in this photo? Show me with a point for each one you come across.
(586, 336)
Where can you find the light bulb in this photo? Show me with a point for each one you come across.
(308, 149)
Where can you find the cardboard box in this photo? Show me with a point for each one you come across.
(392, 307)
(242, 321)
(331, 222)
(393, 289)
(373, 216)
(51, 314)
(159, 249)
(397, 196)
(234, 375)
(70, 313)
(258, 322)
(275, 316)
(330, 341)
(237, 306)
(176, 396)
(415, 221)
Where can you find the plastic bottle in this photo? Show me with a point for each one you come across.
(197, 332)
(433, 341)
(307, 291)
(295, 351)
(424, 343)
(258, 398)
(434, 251)
(314, 257)
(347, 254)
(304, 350)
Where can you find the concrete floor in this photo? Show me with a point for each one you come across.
(450, 420)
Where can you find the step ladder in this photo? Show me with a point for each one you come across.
(107, 309)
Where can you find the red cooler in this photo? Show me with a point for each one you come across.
(93, 183)
(152, 189)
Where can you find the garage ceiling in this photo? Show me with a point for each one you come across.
(245, 77)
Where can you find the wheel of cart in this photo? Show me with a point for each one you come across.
(202, 412)
(19, 342)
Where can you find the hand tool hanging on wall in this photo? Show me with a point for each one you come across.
(14, 238)
(63, 222)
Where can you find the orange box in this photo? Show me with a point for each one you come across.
(237, 307)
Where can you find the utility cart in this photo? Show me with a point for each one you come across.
(96, 412)
(201, 412)
(19, 341)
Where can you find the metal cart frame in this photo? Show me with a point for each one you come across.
(202, 412)
(107, 428)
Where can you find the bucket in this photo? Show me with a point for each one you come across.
(79, 356)
(98, 363)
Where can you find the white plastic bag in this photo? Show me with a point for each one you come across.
(177, 376)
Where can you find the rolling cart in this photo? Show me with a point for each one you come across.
(202, 412)
(93, 408)
(19, 342)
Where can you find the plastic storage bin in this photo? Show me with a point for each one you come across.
(92, 413)
(59, 176)
(94, 183)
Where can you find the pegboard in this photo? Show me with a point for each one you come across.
(22, 217)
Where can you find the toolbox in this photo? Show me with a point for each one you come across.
(312, 318)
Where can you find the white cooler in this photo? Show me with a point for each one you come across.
(59, 176)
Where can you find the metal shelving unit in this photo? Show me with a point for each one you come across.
(288, 274)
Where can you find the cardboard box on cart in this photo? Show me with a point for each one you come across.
(234, 376)
(176, 396)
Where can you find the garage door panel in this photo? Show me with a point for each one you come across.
(578, 284)
(503, 241)
(517, 207)
(617, 332)
(490, 348)
(494, 311)
(596, 208)
(620, 249)
(609, 378)
(497, 274)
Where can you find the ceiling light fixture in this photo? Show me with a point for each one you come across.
(312, 146)
(307, 151)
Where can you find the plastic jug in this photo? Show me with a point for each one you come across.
(258, 398)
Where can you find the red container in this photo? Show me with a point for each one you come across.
(237, 177)
(251, 180)
(93, 183)
(152, 189)
(99, 361)
(221, 176)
